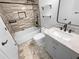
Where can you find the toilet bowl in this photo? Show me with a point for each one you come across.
(39, 38)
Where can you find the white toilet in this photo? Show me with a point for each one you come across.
(39, 38)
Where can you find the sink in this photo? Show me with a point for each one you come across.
(61, 34)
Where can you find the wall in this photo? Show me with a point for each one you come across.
(2, 14)
(46, 21)
(23, 23)
(29, 21)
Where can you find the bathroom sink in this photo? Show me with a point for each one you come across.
(61, 34)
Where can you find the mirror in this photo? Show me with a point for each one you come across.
(68, 11)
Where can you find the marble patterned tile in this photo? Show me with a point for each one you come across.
(30, 50)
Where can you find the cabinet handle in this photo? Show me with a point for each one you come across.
(3, 43)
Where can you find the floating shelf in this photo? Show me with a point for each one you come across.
(43, 7)
(47, 16)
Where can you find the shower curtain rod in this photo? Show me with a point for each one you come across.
(16, 3)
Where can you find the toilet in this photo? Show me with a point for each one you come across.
(39, 38)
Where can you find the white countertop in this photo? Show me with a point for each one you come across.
(70, 40)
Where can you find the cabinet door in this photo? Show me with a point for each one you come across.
(74, 55)
(62, 53)
(50, 46)
(7, 43)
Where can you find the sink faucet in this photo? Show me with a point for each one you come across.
(65, 26)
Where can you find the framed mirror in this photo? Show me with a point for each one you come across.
(68, 11)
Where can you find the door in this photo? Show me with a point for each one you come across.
(7, 43)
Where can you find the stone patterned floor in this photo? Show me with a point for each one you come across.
(30, 50)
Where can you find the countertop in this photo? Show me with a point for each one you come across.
(70, 40)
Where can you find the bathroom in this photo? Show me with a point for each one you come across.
(39, 29)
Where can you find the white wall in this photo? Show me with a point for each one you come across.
(46, 21)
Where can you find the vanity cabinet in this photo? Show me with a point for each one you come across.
(58, 50)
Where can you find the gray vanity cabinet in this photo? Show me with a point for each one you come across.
(61, 53)
(49, 46)
(58, 50)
